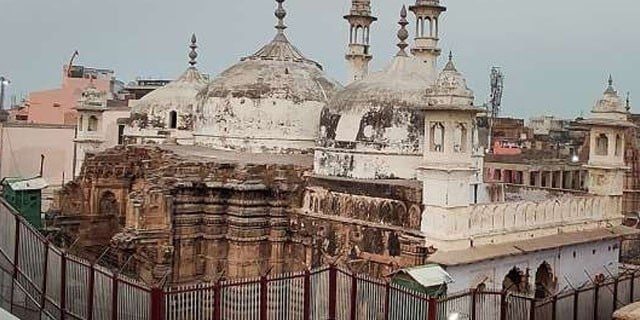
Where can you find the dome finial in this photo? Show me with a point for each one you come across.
(403, 34)
(450, 66)
(610, 88)
(280, 14)
(193, 55)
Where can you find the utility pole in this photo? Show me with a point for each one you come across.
(3, 83)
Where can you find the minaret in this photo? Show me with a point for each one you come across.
(608, 123)
(425, 48)
(358, 55)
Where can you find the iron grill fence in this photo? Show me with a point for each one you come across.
(40, 281)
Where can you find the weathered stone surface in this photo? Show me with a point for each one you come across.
(191, 214)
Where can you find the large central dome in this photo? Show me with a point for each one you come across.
(268, 102)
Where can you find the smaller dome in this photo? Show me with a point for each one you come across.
(610, 101)
(179, 95)
(450, 92)
(401, 84)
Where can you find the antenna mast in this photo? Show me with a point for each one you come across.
(495, 101)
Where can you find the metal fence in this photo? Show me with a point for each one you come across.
(40, 281)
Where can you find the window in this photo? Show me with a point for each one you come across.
(618, 150)
(437, 137)
(80, 123)
(173, 119)
(602, 145)
(121, 134)
(93, 124)
(460, 139)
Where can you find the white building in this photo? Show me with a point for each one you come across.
(99, 127)
(539, 245)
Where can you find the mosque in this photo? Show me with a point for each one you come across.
(272, 166)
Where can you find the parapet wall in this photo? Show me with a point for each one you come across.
(511, 221)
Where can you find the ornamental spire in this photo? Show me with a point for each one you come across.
(628, 102)
(610, 88)
(193, 55)
(450, 66)
(280, 14)
(403, 34)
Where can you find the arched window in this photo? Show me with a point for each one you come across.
(460, 139)
(545, 282)
(437, 137)
(602, 145)
(173, 119)
(80, 123)
(618, 145)
(108, 204)
(93, 124)
(516, 281)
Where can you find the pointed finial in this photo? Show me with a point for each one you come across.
(193, 54)
(280, 14)
(450, 66)
(628, 102)
(403, 34)
(610, 88)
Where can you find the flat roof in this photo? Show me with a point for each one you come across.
(199, 153)
(516, 248)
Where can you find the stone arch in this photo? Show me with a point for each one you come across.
(436, 135)
(173, 119)
(415, 216)
(545, 282)
(108, 204)
(92, 124)
(516, 281)
(602, 145)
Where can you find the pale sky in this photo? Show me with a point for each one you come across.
(556, 54)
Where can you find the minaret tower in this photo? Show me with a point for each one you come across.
(358, 55)
(608, 123)
(425, 48)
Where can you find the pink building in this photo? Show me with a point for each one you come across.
(56, 106)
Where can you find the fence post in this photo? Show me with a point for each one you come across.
(333, 291)
(43, 298)
(354, 296)
(615, 294)
(473, 304)
(433, 309)
(217, 301)
(63, 284)
(633, 280)
(503, 305)
(90, 289)
(157, 304)
(16, 256)
(263, 297)
(595, 304)
(554, 308)
(306, 309)
(575, 304)
(114, 297)
(532, 310)
(387, 297)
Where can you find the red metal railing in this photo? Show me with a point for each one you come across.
(40, 281)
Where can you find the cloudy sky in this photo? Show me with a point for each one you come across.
(556, 54)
